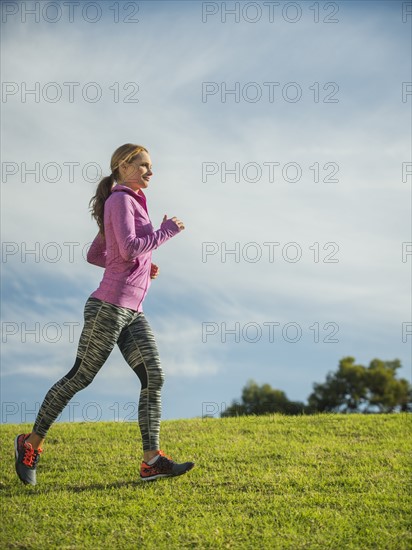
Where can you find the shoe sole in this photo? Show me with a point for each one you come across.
(157, 476)
(16, 452)
(16, 456)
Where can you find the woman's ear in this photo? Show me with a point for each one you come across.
(121, 169)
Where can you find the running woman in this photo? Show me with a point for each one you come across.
(113, 313)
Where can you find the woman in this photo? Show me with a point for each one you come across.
(113, 313)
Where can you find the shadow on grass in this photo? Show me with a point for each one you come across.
(15, 489)
(102, 486)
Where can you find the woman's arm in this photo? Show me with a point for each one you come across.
(123, 223)
(97, 253)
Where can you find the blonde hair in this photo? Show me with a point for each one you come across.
(124, 154)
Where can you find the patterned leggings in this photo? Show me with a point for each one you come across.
(105, 325)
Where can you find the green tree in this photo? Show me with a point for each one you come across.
(262, 400)
(384, 391)
(343, 391)
(355, 388)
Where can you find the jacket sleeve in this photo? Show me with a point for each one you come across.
(123, 220)
(97, 253)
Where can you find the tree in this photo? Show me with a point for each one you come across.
(262, 400)
(355, 388)
(343, 391)
(352, 388)
(384, 391)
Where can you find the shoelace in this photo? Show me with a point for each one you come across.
(31, 456)
(161, 460)
(161, 453)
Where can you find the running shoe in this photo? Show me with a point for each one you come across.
(164, 466)
(26, 459)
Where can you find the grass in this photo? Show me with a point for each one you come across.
(278, 482)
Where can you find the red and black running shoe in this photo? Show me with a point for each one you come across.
(26, 459)
(163, 466)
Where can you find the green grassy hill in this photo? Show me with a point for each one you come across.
(311, 482)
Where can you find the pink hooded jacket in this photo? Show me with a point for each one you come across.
(126, 251)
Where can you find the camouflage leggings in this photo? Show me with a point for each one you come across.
(105, 325)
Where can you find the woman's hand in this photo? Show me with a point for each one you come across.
(177, 222)
(154, 271)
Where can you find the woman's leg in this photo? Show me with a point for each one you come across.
(103, 323)
(138, 346)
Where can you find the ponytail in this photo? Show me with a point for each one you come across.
(123, 154)
(96, 203)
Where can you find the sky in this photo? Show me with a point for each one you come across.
(279, 134)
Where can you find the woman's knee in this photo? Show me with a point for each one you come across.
(79, 377)
(156, 376)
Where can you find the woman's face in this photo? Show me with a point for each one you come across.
(138, 172)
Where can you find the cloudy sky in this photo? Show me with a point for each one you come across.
(279, 134)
